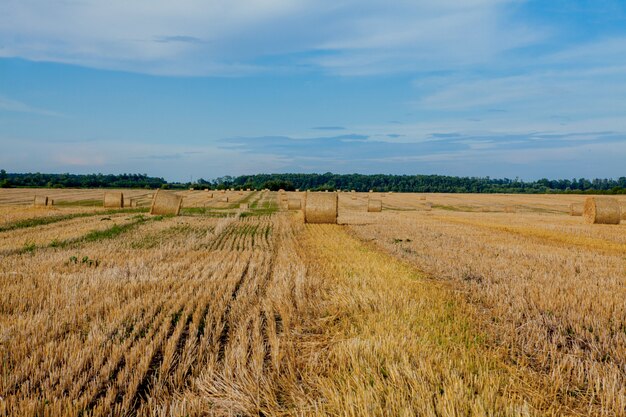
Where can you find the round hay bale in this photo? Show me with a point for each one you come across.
(113, 199)
(166, 202)
(50, 202)
(224, 199)
(576, 209)
(371, 191)
(40, 201)
(191, 188)
(602, 210)
(623, 208)
(428, 206)
(374, 206)
(244, 206)
(247, 189)
(294, 204)
(320, 208)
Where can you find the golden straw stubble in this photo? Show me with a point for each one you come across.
(320, 207)
(602, 210)
(166, 202)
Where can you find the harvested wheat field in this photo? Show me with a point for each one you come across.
(438, 305)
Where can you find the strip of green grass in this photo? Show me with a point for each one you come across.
(42, 221)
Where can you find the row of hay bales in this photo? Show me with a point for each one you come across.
(599, 210)
(323, 207)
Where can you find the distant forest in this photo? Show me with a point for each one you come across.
(328, 181)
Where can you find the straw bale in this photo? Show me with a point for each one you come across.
(320, 208)
(166, 202)
(602, 210)
(576, 209)
(294, 204)
(623, 209)
(50, 202)
(224, 199)
(244, 206)
(40, 201)
(113, 199)
(374, 206)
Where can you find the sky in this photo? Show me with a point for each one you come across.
(192, 89)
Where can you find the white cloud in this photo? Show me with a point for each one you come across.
(195, 37)
(10, 105)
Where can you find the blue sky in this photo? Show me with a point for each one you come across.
(500, 88)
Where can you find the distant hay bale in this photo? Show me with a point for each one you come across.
(297, 190)
(191, 188)
(294, 204)
(281, 191)
(602, 210)
(320, 208)
(209, 195)
(224, 199)
(576, 209)
(247, 189)
(40, 201)
(374, 206)
(371, 191)
(166, 202)
(623, 208)
(244, 206)
(509, 209)
(113, 199)
(133, 203)
(50, 202)
(422, 197)
(222, 191)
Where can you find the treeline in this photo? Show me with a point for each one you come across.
(328, 181)
(422, 183)
(79, 181)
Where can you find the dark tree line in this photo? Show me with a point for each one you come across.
(79, 181)
(327, 181)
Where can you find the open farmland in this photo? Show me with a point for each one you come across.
(445, 304)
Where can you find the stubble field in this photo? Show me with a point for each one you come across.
(440, 305)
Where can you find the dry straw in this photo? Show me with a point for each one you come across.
(165, 202)
(113, 199)
(374, 206)
(602, 210)
(294, 204)
(320, 208)
(509, 209)
(40, 201)
(576, 209)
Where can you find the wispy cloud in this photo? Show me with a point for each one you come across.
(9, 105)
(348, 37)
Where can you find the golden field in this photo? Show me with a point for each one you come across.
(440, 305)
